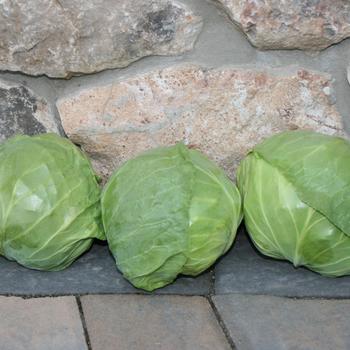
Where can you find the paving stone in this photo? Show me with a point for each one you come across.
(244, 270)
(152, 322)
(95, 272)
(275, 323)
(40, 324)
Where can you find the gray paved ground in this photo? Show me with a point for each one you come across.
(275, 323)
(152, 322)
(118, 322)
(40, 324)
(247, 302)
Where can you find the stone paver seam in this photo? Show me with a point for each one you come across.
(83, 322)
(216, 313)
(221, 323)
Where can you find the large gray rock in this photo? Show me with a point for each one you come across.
(61, 38)
(222, 112)
(24, 112)
(297, 24)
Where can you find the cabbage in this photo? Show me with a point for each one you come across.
(167, 212)
(49, 202)
(296, 197)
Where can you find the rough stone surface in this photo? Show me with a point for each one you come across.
(150, 323)
(222, 112)
(94, 272)
(61, 38)
(245, 271)
(23, 112)
(272, 323)
(40, 324)
(298, 24)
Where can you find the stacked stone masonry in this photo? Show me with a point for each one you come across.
(223, 110)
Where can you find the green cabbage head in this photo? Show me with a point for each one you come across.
(49, 202)
(167, 212)
(296, 197)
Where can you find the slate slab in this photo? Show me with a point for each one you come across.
(152, 322)
(94, 273)
(275, 323)
(40, 324)
(244, 270)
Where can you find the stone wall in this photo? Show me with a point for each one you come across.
(122, 76)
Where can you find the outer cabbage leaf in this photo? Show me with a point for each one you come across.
(166, 212)
(214, 214)
(49, 202)
(284, 226)
(319, 168)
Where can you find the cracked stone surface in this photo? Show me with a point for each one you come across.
(24, 112)
(297, 24)
(222, 112)
(61, 38)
